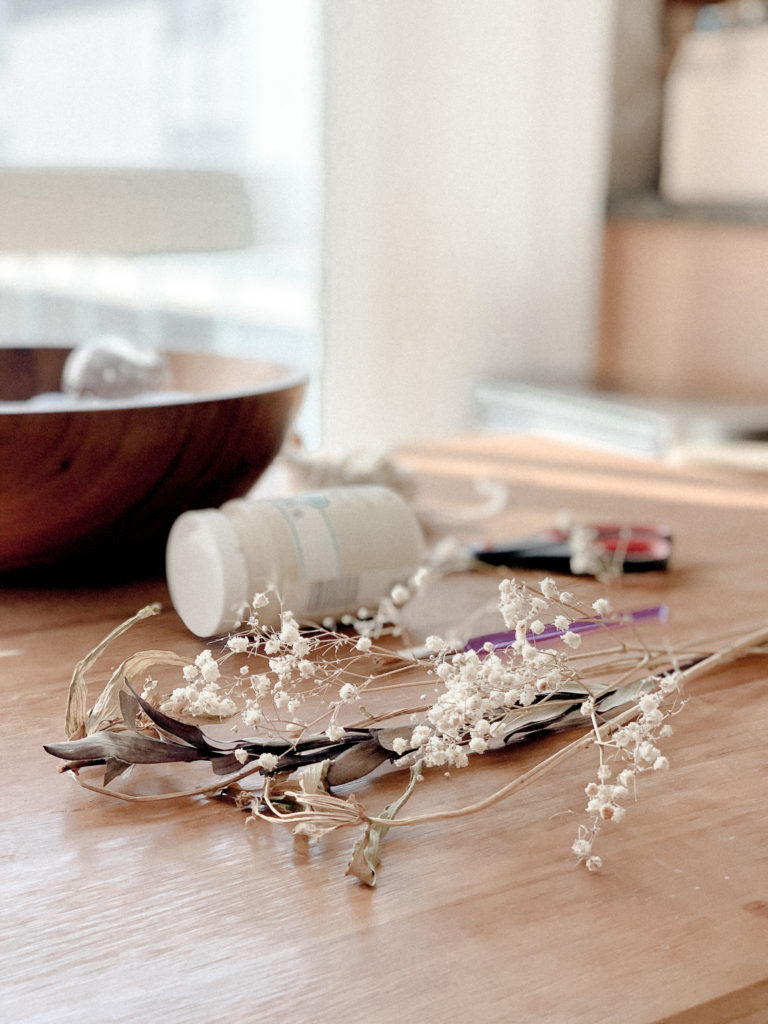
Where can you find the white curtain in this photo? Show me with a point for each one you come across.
(465, 165)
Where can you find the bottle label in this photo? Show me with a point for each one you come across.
(332, 595)
(329, 552)
(335, 597)
(313, 536)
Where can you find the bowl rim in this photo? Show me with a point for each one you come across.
(286, 378)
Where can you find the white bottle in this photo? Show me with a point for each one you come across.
(322, 554)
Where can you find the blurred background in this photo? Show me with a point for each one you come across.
(456, 216)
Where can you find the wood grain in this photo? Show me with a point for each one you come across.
(183, 912)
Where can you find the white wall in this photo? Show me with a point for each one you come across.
(466, 159)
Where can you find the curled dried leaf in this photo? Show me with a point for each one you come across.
(132, 671)
(125, 746)
(366, 857)
(77, 696)
(312, 779)
(355, 762)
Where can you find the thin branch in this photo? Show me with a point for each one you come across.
(207, 790)
(741, 648)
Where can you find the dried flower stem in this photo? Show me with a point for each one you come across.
(714, 661)
(319, 807)
(210, 789)
(542, 768)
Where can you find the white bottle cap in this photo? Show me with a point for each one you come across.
(206, 572)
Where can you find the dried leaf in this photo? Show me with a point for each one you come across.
(227, 764)
(125, 746)
(190, 734)
(75, 718)
(129, 708)
(386, 737)
(294, 756)
(554, 713)
(312, 779)
(114, 768)
(355, 762)
(365, 856)
(133, 670)
(626, 694)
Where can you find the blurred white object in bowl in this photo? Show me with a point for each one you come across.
(114, 367)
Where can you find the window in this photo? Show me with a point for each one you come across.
(230, 85)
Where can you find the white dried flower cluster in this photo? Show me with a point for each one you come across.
(202, 696)
(479, 689)
(348, 693)
(602, 606)
(238, 644)
(267, 761)
(635, 746)
(589, 557)
(298, 665)
(586, 558)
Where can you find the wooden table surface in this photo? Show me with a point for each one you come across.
(182, 912)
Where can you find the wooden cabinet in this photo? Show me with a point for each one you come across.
(685, 308)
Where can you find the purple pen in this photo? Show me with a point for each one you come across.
(501, 640)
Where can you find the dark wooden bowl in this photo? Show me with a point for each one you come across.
(93, 489)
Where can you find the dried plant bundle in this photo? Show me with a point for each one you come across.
(326, 707)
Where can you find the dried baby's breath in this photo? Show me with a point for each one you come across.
(308, 710)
